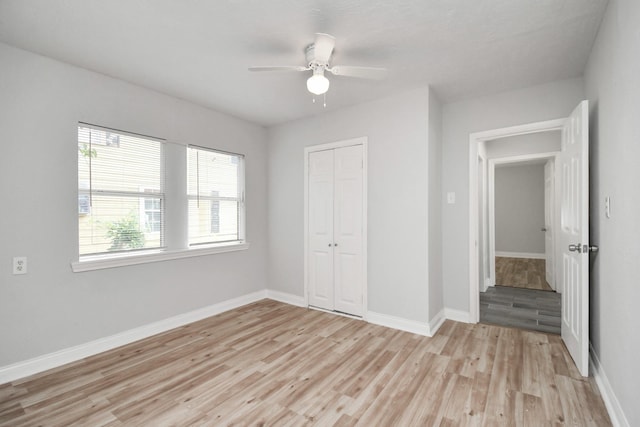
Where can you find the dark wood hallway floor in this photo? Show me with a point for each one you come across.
(524, 273)
(521, 308)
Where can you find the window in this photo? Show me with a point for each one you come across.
(113, 167)
(123, 201)
(215, 196)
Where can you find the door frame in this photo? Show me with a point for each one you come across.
(491, 203)
(484, 229)
(474, 140)
(362, 141)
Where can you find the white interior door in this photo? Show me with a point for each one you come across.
(348, 230)
(549, 209)
(573, 235)
(320, 232)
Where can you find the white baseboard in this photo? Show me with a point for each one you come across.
(371, 317)
(486, 283)
(436, 322)
(618, 419)
(53, 360)
(286, 298)
(58, 358)
(457, 315)
(399, 323)
(530, 255)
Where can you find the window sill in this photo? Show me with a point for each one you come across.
(102, 262)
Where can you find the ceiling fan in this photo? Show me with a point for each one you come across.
(318, 57)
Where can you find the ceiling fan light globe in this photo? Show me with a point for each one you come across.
(318, 84)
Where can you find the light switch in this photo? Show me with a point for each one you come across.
(607, 207)
(451, 197)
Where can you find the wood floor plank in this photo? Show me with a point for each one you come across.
(532, 410)
(532, 362)
(269, 363)
(427, 399)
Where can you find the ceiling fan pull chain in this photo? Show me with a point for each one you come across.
(324, 104)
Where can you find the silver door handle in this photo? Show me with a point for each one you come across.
(594, 248)
(575, 248)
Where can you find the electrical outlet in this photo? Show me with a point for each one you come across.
(20, 265)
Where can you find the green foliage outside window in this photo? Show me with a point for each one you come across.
(125, 234)
(88, 152)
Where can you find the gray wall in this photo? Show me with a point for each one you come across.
(612, 80)
(519, 208)
(545, 102)
(539, 142)
(397, 131)
(51, 308)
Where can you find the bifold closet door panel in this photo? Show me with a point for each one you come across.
(320, 223)
(347, 230)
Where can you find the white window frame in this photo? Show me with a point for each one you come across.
(174, 225)
(240, 199)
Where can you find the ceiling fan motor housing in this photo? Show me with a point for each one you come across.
(311, 58)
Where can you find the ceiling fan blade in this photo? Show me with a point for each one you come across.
(279, 68)
(322, 47)
(372, 73)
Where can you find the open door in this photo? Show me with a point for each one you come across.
(573, 235)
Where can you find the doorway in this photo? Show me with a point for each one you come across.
(572, 235)
(522, 218)
(522, 222)
(477, 148)
(335, 227)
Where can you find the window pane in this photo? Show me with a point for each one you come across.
(132, 164)
(113, 225)
(210, 171)
(214, 192)
(200, 222)
(120, 191)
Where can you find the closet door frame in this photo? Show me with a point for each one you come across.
(362, 141)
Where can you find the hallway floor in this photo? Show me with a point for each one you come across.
(521, 308)
(521, 273)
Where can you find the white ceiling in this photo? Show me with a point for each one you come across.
(199, 50)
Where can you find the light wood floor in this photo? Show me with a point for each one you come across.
(521, 273)
(273, 364)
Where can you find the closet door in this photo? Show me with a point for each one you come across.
(321, 206)
(347, 230)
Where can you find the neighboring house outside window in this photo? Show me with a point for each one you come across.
(150, 213)
(215, 213)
